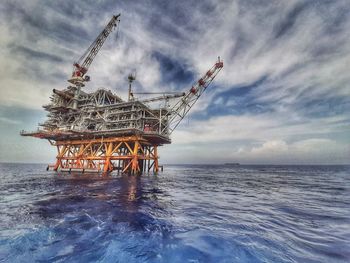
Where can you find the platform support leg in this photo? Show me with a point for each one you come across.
(108, 167)
(156, 167)
(135, 162)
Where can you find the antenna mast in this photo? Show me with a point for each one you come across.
(131, 78)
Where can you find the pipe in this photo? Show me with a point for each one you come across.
(62, 94)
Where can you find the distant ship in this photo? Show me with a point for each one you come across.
(232, 164)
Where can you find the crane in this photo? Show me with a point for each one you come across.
(175, 115)
(165, 96)
(81, 66)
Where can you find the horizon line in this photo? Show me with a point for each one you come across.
(215, 164)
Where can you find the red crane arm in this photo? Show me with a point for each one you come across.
(176, 114)
(83, 64)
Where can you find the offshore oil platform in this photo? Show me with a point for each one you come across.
(101, 132)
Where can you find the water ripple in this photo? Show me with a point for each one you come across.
(186, 214)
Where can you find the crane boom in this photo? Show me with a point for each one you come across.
(176, 114)
(84, 62)
(164, 97)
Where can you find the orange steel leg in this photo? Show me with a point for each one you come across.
(156, 167)
(134, 162)
(128, 154)
(108, 167)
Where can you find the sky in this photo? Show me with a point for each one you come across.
(283, 96)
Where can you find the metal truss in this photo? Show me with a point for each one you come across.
(101, 111)
(132, 155)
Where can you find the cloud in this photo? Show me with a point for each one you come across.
(285, 77)
(318, 151)
(310, 151)
(9, 121)
(268, 126)
(270, 147)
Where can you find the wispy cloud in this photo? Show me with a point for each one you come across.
(9, 121)
(285, 79)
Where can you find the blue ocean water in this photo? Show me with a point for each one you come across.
(185, 214)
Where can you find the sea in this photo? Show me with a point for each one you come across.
(187, 213)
